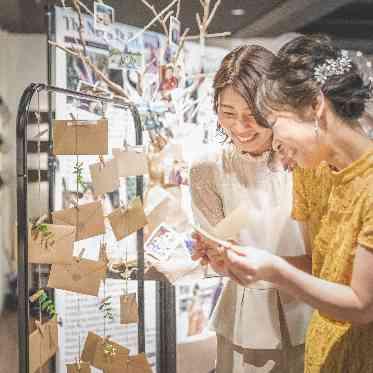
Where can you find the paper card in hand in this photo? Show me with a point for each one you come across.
(104, 177)
(135, 364)
(179, 266)
(88, 219)
(211, 238)
(80, 137)
(109, 355)
(230, 227)
(89, 348)
(166, 210)
(52, 246)
(131, 162)
(174, 151)
(128, 309)
(83, 276)
(81, 368)
(43, 344)
(126, 221)
(163, 242)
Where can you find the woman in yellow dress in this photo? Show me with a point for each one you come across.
(313, 99)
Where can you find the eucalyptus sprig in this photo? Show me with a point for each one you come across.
(45, 303)
(47, 237)
(109, 349)
(78, 171)
(107, 308)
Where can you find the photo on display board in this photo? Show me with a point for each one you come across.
(152, 52)
(81, 79)
(118, 60)
(104, 16)
(168, 81)
(175, 27)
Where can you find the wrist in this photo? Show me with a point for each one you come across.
(276, 268)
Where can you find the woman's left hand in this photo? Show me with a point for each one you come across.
(246, 265)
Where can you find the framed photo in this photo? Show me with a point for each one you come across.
(174, 32)
(104, 16)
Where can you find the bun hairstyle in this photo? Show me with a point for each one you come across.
(243, 69)
(292, 84)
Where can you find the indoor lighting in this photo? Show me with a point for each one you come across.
(238, 12)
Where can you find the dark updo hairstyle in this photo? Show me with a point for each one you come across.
(291, 84)
(243, 69)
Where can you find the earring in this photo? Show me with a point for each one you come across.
(317, 127)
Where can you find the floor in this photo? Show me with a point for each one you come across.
(8, 343)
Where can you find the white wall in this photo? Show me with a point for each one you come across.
(22, 61)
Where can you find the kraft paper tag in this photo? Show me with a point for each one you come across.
(131, 162)
(128, 309)
(54, 246)
(80, 137)
(126, 221)
(104, 177)
(88, 219)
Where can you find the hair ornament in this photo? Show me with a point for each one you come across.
(332, 67)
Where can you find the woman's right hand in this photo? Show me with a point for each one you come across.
(208, 254)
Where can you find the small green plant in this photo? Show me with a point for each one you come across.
(107, 308)
(109, 349)
(47, 237)
(78, 171)
(45, 303)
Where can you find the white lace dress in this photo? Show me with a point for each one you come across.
(259, 329)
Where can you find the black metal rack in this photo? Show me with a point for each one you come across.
(165, 293)
(22, 213)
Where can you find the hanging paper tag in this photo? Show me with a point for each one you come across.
(128, 309)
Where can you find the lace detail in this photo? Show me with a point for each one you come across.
(204, 192)
(236, 163)
(339, 211)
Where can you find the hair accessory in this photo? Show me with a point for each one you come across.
(332, 67)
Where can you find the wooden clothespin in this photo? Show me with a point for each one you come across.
(103, 253)
(80, 256)
(102, 161)
(39, 327)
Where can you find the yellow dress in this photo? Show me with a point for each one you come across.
(338, 208)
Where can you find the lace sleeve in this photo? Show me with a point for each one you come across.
(300, 204)
(206, 203)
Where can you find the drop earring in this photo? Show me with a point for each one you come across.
(317, 127)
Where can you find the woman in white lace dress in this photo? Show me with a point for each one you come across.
(258, 328)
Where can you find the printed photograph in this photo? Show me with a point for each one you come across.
(104, 16)
(175, 27)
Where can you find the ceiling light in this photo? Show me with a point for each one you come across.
(238, 12)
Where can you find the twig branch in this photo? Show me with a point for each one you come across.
(82, 5)
(181, 45)
(178, 9)
(212, 14)
(115, 88)
(81, 27)
(208, 36)
(160, 19)
(154, 20)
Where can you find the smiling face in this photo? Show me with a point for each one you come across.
(296, 139)
(236, 118)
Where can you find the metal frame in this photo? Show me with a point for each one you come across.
(22, 214)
